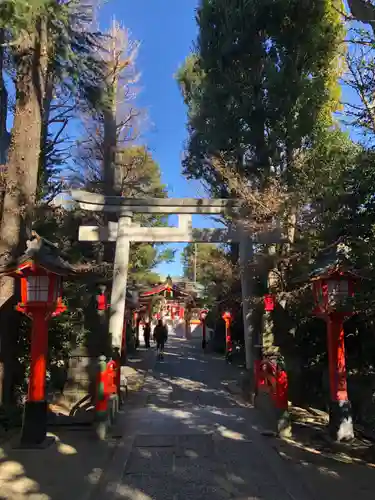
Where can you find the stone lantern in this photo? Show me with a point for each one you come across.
(333, 285)
(41, 270)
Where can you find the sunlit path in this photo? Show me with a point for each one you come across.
(192, 439)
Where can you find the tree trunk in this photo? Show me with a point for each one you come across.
(47, 100)
(4, 135)
(23, 163)
(22, 171)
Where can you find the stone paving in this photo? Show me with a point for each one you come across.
(192, 439)
(183, 436)
(72, 467)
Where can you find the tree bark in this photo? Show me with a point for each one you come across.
(22, 169)
(4, 135)
(23, 162)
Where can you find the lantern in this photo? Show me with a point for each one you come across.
(331, 292)
(227, 316)
(40, 289)
(331, 288)
(203, 314)
(40, 269)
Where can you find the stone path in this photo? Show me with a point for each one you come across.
(73, 466)
(183, 436)
(192, 439)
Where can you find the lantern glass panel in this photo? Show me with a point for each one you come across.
(337, 291)
(319, 294)
(37, 288)
(56, 288)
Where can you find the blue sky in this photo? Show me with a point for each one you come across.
(166, 30)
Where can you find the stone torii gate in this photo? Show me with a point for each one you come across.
(124, 231)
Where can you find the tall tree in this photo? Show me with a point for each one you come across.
(259, 89)
(213, 269)
(34, 31)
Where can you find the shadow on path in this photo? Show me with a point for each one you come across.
(183, 436)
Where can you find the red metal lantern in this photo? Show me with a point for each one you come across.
(269, 303)
(331, 291)
(203, 314)
(40, 289)
(227, 316)
(40, 270)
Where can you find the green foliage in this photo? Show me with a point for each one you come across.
(259, 82)
(213, 270)
(18, 14)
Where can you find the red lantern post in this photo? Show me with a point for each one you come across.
(330, 291)
(203, 316)
(227, 317)
(40, 300)
(40, 270)
(181, 312)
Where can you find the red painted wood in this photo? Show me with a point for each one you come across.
(281, 396)
(336, 358)
(101, 302)
(39, 350)
(269, 303)
(111, 378)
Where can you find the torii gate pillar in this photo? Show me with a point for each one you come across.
(120, 279)
(246, 251)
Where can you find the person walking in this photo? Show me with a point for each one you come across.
(147, 334)
(160, 336)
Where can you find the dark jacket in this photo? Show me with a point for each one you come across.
(160, 333)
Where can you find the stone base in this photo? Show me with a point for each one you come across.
(247, 386)
(101, 429)
(49, 441)
(34, 426)
(340, 421)
(105, 420)
(277, 421)
(283, 423)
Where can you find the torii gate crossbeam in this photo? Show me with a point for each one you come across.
(124, 232)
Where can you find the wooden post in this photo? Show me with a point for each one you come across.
(34, 427)
(228, 337)
(38, 361)
(341, 423)
(204, 341)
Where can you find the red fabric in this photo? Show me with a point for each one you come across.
(269, 303)
(111, 377)
(102, 302)
(281, 396)
(229, 342)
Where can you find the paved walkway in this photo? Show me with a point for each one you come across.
(71, 468)
(192, 439)
(183, 436)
